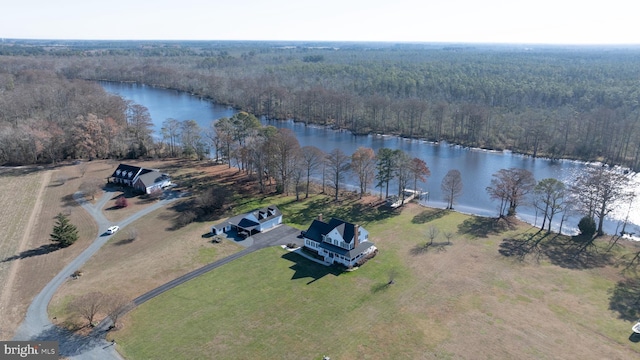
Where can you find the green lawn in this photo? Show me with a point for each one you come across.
(279, 305)
(274, 304)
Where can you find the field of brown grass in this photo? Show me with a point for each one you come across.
(158, 254)
(475, 303)
(462, 300)
(31, 259)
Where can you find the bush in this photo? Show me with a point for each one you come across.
(587, 226)
(122, 202)
(367, 258)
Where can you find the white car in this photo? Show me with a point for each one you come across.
(113, 229)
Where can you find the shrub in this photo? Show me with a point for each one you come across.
(367, 258)
(122, 202)
(587, 226)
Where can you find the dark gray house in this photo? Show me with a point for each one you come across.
(139, 178)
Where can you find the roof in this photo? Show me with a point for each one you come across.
(362, 247)
(127, 172)
(150, 177)
(266, 213)
(316, 230)
(262, 215)
(319, 228)
(247, 224)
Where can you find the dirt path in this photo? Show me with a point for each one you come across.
(5, 297)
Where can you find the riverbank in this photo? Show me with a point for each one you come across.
(476, 166)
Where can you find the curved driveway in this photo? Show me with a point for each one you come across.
(37, 326)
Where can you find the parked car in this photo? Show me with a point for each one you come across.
(113, 229)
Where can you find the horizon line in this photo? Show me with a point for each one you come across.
(494, 43)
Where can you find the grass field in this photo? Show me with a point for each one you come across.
(18, 193)
(35, 261)
(457, 300)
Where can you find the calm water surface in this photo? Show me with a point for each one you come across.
(476, 166)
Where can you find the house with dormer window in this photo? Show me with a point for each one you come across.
(139, 178)
(253, 222)
(338, 241)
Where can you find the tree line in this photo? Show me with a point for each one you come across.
(276, 160)
(561, 103)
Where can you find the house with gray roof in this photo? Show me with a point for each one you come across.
(253, 222)
(139, 178)
(338, 241)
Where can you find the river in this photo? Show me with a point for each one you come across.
(476, 166)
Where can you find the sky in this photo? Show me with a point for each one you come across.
(456, 21)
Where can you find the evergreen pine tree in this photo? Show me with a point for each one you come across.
(64, 232)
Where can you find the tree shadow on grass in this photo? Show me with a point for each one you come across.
(42, 250)
(430, 247)
(625, 299)
(429, 215)
(69, 200)
(576, 252)
(305, 268)
(484, 226)
(381, 287)
(349, 210)
(521, 246)
(123, 242)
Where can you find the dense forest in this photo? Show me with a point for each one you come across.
(558, 102)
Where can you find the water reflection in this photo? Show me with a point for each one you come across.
(476, 166)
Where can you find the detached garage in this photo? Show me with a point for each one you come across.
(252, 222)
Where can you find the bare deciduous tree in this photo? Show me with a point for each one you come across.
(89, 305)
(599, 190)
(363, 163)
(91, 187)
(337, 167)
(116, 305)
(510, 186)
(432, 234)
(550, 199)
(286, 150)
(312, 159)
(451, 187)
(448, 235)
(419, 171)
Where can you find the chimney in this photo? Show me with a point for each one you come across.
(356, 235)
(320, 217)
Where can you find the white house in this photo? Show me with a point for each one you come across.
(338, 241)
(145, 180)
(252, 222)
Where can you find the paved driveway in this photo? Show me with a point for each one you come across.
(37, 326)
(281, 235)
